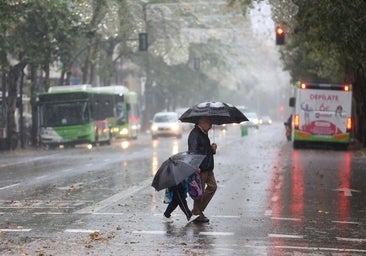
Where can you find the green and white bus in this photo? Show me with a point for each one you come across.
(128, 123)
(78, 114)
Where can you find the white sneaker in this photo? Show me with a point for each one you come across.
(192, 218)
(167, 220)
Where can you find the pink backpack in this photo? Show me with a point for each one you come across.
(194, 186)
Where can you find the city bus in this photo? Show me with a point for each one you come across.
(128, 124)
(75, 114)
(322, 113)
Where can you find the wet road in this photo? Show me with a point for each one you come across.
(271, 200)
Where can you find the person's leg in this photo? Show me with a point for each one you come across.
(182, 202)
(173, 204)
(209, 190)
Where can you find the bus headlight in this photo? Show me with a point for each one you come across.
(123, 131)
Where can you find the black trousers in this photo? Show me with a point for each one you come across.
(179, 198)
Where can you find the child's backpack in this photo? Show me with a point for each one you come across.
(194, 188)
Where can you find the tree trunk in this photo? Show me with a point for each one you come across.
(13, 78)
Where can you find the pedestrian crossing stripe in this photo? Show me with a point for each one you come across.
(216, 233)
(80, 231)
(15, 229)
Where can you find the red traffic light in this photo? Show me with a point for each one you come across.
(280, 30)
(280, 35)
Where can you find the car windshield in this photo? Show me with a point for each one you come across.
(251, 115)
(165, 119)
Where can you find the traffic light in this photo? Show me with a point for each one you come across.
(143, 43)
(280, 35)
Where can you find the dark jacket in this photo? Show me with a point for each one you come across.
(199, 143)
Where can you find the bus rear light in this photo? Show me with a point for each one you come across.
(346, 88)
(296, 121)
(303, 86)
(349, 124)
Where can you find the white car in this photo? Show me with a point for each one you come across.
(166, 124)
(253, 120)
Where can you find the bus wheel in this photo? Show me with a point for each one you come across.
(297, 144)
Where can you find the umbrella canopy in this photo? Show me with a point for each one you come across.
(219, 112)
(177, 168)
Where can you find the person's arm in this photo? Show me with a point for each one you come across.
(193, 142)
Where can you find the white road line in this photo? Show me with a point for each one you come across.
(226, 216)
(318, 249)
(282, 218)
(115, 198)
(26, 161)
(285, 236)
(216, 233)
(108, 213)
(347, 222)
(80, 231)
(42, 177)
(274, 199)
(15, 229)
(149, 232)
(48, 213)
(10, 186)
(268, 213)
(348, 239)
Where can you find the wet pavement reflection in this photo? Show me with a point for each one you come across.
(271, 200)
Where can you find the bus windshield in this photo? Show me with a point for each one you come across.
(66, 113)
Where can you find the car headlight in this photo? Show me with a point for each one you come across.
(154, 128)
(175, 127)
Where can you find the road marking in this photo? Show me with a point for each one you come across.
(318, 249)
(42, 177)
(115, 198)
(285, 236)
(274, 198)
(347, 191)
(268, 213)
(216, 233)
(108, 213)
(281, 218)
(10, 186)
(26, 161)
(80, 230)
(48, 213)
(15, 229)
(347, 239)
(347, 222)
(149, 232)
(226, 216)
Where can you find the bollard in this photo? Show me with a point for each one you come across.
(244, 130)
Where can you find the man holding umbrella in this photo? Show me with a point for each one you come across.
(199, 142)
(204, 115)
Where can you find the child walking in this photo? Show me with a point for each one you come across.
(177, 196)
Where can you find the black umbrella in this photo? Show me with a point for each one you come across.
(219, 112)
(176, 169)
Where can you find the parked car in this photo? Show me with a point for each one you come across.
(166, 124)
(265, 120)
(253, 120)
